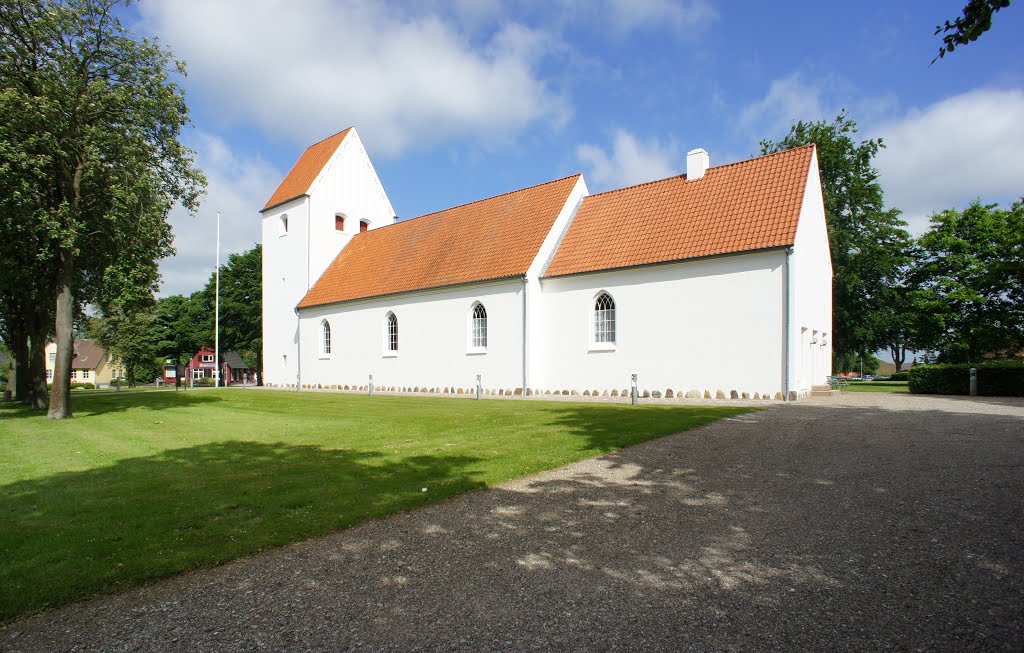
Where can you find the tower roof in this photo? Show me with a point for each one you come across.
(302, 175)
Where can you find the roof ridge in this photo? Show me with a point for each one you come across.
(683, 175)
(337, 133)
(482, 199)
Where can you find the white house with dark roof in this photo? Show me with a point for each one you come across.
(713, 283)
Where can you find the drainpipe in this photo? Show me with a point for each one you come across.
(298, 350)
(789, 320)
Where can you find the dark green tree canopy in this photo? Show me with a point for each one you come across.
(972, 264)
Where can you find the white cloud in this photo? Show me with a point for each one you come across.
(233, 183)
(793, 98)
(630, 161)
(951, 152)
(303, 70)
(788, 99)
(625, 16)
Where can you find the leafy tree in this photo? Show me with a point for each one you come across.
(869, 243)
(129, 338)
(914, 320)
(93, 124)
(976, 20)
(973, 263)
(174, 334)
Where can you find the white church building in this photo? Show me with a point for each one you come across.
(712, 283)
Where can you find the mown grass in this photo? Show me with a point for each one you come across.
(140, 486)
(879, 386)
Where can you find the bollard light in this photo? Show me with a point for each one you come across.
(633, 393)
(371, 385)
(974, 382)
(478, 391)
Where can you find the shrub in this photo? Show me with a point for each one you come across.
(995, 379)
(900, 376)
(205, 381)
(83, 385)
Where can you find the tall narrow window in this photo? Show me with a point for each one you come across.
(392, 333)
(604, 319)
(339, 222)
(479, 326)
(325, 345)
(363, 226)
(282, 227)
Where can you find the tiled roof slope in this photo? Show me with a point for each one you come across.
(304, 172)
(489, 239)
(738, 207)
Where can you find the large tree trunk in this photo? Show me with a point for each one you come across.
(60, 399)
(19, 347)
(36, 394)
(899, 356)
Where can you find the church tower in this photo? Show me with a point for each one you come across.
(330, 195)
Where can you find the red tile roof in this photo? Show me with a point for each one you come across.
(302, 175)
(492, 238)
(743, 206)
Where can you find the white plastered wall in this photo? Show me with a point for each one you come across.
(293, 262)
(811, 282)
(536, 337)
(434, 344)
(284, 284)
(710, 324)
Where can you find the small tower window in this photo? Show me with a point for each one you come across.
(339, 222)
(282, 227)
(604, 318)
(363, 225)
(391, 334)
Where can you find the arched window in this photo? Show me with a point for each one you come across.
(604, 318)
(325, 341)
(392, 333)
(363, 225)
(339, 222)
(479, 326)
(282, 227)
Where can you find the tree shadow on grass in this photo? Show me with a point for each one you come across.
(609, 427)
(79, 533)
(115, 403)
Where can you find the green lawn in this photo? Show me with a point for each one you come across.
(139, 486)
(879, 386)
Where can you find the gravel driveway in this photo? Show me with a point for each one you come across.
(860, 522)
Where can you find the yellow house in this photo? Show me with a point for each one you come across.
(90, 363)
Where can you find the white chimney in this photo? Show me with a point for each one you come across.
(697, 161)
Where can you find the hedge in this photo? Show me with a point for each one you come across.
(996, 379)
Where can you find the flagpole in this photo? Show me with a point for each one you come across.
(216, 317)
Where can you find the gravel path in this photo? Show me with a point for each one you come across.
(859, 522)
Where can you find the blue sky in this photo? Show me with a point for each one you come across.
(456, 101)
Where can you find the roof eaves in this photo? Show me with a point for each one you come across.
(735, 252)
(300, 307)
(283, 202)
